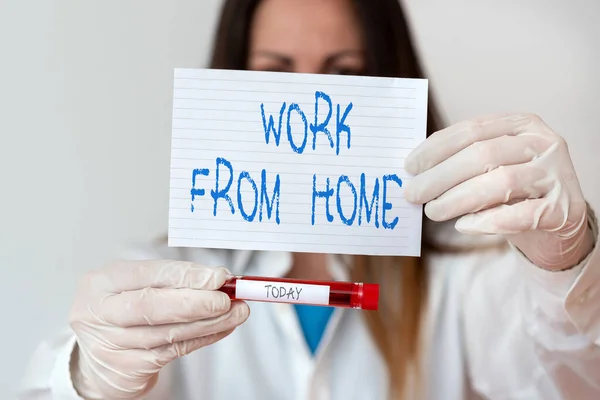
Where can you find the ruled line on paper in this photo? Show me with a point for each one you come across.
(293, 93)
(271, 161)
(191, 81)
(252, 244)
(253, 112)
(225, 141)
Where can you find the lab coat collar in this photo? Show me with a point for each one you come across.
(278, 264)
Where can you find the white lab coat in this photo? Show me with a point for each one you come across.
(497, 327)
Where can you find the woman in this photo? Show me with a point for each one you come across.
(513, 315)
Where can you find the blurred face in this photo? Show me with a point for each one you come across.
(306, 36)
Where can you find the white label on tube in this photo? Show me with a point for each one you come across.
(282, 292)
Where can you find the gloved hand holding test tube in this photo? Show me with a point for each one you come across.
(282, 290)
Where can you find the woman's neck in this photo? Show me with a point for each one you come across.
(309, 266)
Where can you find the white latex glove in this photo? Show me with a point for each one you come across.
(132, 318)
(509, 175)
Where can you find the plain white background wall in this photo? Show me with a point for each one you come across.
(85, 107)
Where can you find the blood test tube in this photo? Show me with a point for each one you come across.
(282, 290)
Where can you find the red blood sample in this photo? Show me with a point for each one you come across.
(282, 290)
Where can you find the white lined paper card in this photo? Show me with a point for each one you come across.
(294, 162)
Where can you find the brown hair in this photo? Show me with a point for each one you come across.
(396, 327)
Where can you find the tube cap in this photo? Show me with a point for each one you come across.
(370, 298)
